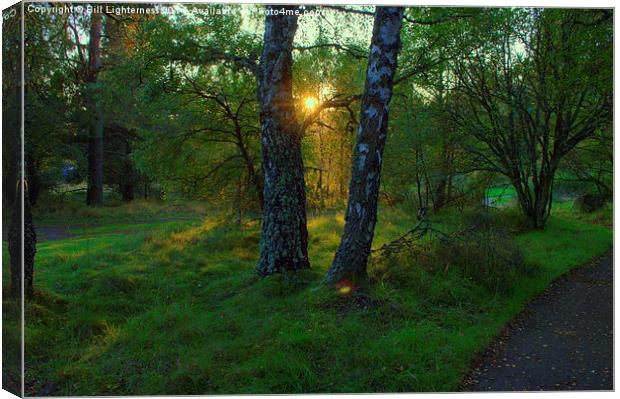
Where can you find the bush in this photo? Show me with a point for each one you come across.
(484, 254)
(509, 220)
(488, 256)
(590, 202)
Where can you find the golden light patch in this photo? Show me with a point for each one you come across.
(311, 103)
(344, 288)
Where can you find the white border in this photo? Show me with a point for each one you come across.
(470, 3)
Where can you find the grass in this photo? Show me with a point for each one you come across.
(76, 213)
(177, 309)
(501, 195)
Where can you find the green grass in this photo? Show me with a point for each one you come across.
(76, 213)
(177, 309)
(501, 195)
(603, 216)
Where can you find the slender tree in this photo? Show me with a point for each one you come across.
(94, 196)
(284, 241)
(361, 215)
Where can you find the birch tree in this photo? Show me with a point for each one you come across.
(361, 215)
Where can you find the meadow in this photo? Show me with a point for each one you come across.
(175, 307)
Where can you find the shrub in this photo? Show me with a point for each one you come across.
(483, 253)
(509, 220)
(486, 255)
(590, 202)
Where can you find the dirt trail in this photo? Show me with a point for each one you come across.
(563, 340)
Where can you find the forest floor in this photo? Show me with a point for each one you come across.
(175, 307)
(563, 340)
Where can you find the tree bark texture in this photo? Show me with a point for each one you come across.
(361, 215)
(94, 195)
(284, 241)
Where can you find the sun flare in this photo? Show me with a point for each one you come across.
(311, 103)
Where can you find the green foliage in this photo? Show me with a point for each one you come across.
(526, 92)
(169, 83)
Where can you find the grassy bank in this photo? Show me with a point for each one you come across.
(177, 309)
(76, 213)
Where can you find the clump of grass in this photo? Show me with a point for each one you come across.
(487, 256)
(481, 250)
(603, 216)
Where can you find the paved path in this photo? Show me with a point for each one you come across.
(563, 340)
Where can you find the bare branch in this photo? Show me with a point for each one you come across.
(351, 50)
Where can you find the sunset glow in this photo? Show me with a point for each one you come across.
(311, 103)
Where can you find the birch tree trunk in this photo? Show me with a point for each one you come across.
(94, 195)
(284, 240)
(361, 215)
